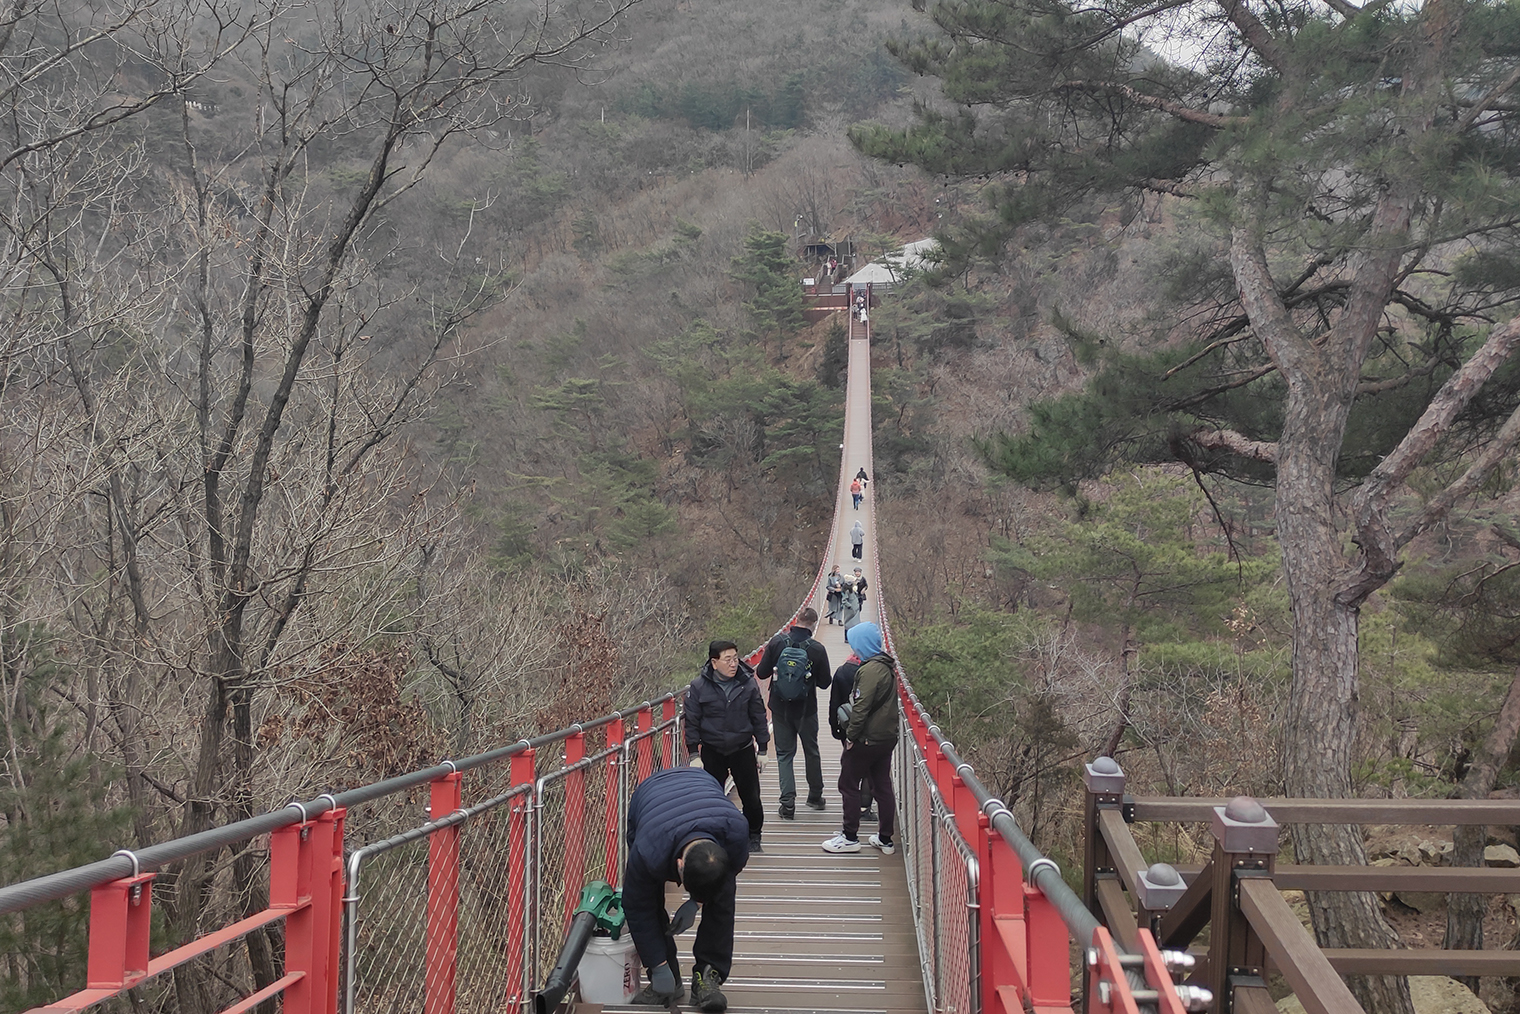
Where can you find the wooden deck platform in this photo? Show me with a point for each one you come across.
(818, 932)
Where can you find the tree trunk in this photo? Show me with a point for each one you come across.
(1465, 912)
(1322, 705)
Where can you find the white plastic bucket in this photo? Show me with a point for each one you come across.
(609, 970)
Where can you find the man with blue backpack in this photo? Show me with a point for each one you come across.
(798, 667)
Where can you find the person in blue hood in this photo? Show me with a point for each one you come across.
(870, 736)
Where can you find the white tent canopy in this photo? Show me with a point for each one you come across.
(888, 270)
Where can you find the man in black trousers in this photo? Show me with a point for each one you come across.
(682, 829)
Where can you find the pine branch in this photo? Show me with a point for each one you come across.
(1177, 109)
(1236, 443)
(1379, 544)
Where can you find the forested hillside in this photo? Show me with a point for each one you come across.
(381, 385)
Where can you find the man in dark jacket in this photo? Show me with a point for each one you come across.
(725, 720)
(797, 720)
(682, 829)
(870, 736)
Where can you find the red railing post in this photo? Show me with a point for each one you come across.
(329, 905)
(518, 813)
(614, 800)
(668, 745)
(1005, 930)
(644, 751)
(442, 947)
(575, 823)
(964, 807)
(306, 878)
(121, 917)
(1049, 956)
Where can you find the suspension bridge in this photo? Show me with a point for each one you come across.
(450, 889)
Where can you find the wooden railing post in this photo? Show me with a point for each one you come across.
(1245, 845)
(1105, 790)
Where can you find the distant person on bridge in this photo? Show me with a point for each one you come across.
(832, 589)
(682, 829)
(839, 695)
(849, 604)
(725, 720)
(858, 541)
(860, 589)
(857, 492)
(870, 736)
(798, 667)
(862, 476)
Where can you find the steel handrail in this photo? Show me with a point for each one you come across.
(54, 886)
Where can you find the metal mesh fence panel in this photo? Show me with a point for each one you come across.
(943, 885)
(955, 914)
(439, 910)
(571, 848)
(489, 938)
(389, 937)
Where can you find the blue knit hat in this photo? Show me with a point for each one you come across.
(865, 638)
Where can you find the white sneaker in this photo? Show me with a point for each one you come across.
(839, 843)
(887, 847)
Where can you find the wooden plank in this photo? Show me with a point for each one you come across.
(1422, 961)
(1341, 811)
(1251, 1000)
(1317, 985)
(1191, 913)
(1118, 916)
(1443, 879)
(1129, 863)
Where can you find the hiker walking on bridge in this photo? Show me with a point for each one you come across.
(682, 829)
(858, 541)
(833, 588)
(798, 667)
(725, 720)
(870, 736)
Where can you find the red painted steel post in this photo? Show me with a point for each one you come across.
(518, 812)
(1004, 925)
(328, 902)
(614, 802)
(644, 766)
(290, 884)
(939, 767)
(1049, 955)
(963, 805)
(575, 824)
(121, 916)
(442, 949)
(668, 746)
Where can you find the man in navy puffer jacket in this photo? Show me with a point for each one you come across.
(682, 829)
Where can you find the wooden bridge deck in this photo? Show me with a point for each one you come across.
(815, 931)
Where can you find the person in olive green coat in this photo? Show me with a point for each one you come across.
(870, 736)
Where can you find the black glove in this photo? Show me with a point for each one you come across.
(684, 917)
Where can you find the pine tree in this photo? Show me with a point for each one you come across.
(777, 302)
(1356, 166)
